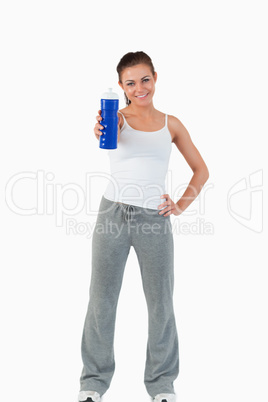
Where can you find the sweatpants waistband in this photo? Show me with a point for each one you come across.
(130, 210)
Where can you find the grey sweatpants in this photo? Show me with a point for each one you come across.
(118, 227)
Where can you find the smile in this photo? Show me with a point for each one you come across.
(142, 96)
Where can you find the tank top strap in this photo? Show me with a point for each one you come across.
(166, 120)
(122, 114)
(125, 122)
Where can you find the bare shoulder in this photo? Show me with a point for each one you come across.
(177, 129)
(184, 143)
(124, 109)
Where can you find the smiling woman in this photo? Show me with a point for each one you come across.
(133, 60)
(135, 201)
(136, 85)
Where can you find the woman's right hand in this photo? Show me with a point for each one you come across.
(98, 126)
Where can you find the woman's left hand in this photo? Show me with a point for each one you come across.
(171, 207)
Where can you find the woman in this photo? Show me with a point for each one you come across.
(135, 203)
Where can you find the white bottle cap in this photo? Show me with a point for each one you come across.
(109, 95)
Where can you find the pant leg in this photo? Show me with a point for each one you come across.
(110, 249)
(155, 252)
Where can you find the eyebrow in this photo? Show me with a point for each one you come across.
(141, 78)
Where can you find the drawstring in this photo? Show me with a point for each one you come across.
(129, 211)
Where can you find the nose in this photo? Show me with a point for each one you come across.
(139, 87)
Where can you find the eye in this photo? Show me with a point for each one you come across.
(130, 83)
(146, 79)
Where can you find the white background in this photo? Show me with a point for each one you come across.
(57, 59)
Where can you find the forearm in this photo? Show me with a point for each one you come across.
(195, 186)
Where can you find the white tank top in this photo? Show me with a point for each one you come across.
(139, 166)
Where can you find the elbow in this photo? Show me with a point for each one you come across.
(203, 172)
(206, 173)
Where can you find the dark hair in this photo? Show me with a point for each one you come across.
(132, 59)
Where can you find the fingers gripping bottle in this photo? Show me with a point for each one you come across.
(109, 109)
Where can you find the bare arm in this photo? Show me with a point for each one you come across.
(182, 140)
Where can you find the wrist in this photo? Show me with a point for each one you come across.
(180, 206)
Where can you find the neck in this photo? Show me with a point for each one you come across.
(142, 111)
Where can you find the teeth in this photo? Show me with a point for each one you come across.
(142, 96)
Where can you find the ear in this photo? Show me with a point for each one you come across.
(155, 76)
(121, 85)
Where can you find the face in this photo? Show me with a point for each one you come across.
(138, 83)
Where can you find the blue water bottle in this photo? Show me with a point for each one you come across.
(109, 108)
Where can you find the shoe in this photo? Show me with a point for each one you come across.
(89, 396)
(165, 398)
